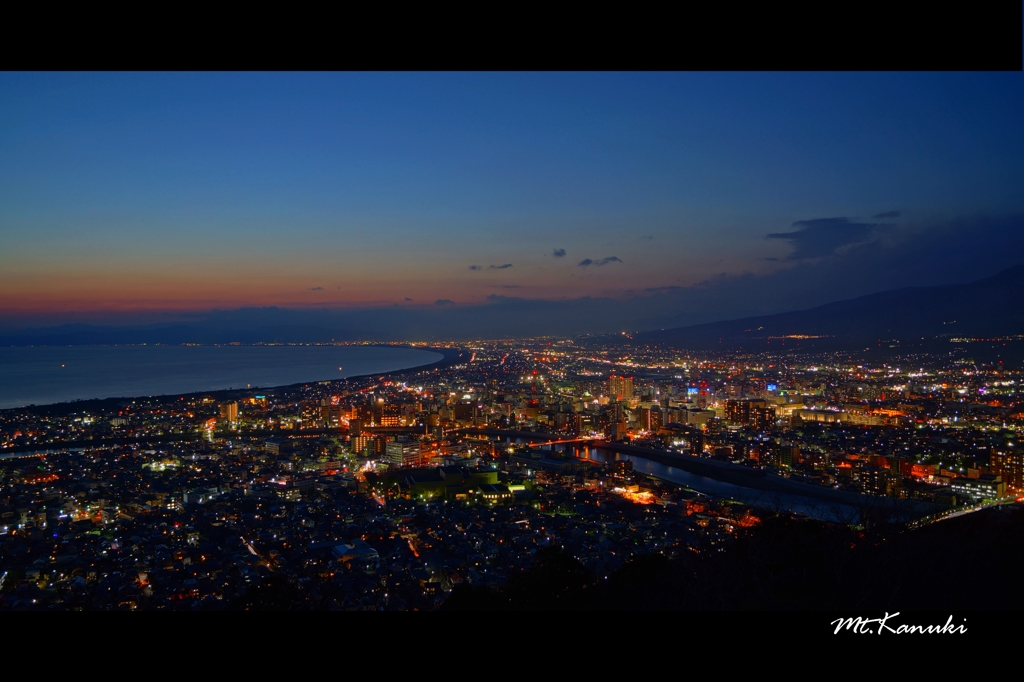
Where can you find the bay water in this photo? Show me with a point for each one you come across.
(42, 375)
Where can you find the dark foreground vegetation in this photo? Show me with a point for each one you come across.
(968, 563)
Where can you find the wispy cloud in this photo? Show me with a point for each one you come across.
(709, 281)
(887, 215)
(823, 236)
(558, 253)
(316, 289)
(506, 266)
(894, 256)
(603, 261)
(444, 301)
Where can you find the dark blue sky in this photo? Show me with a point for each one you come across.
(138, 193)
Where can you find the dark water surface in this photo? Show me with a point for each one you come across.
(51, 374)
(773, 501)
(763, 499)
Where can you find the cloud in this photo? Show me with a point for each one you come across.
(476, 267)
(647, 238)
(508, 286)
(407, 298)
(558, 253)
(603, 261)
(500, 267)
(661, 290)
(316, 289)
(444, 301)
(887, 215)
(823, 236)
(709, 281)
(901, 254)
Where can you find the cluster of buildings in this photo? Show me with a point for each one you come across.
(208, 525)
(386, 493)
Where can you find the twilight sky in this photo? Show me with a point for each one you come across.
(673, 198)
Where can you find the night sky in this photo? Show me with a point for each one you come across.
(669, 198)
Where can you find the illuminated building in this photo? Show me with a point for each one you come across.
(683, 415)
(390, 415)
(493, 493)
(762, 418)
(622, 467)
(362, 445)
(1010, 466)
(644, 419)
(330, 415)
(753, 412)
(621, 388)
(403, 453)
(582, 422)
(977, 489)
(650, 418)
(876, 481)
(779, 455)
(617, 430)
(229, 411)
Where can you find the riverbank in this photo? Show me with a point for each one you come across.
(779, 490)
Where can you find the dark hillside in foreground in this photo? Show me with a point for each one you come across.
(968, 563)
(989, 307)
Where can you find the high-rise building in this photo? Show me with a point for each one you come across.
(650, 418)
(621, 388)
(751, 412)
(362, 445)
(229, 411)
(762, 418)
(1009, 464)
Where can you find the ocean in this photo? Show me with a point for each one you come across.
(51, 374)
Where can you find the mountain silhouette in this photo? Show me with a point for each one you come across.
(989, 307)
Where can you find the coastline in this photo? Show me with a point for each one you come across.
(449, 357)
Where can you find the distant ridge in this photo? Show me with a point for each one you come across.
(989, 307)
